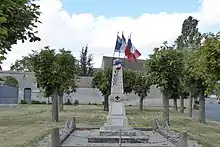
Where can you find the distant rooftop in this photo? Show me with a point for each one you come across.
(133, 65)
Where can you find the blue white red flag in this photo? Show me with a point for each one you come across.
(120, 44)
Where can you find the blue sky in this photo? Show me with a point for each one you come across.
(131, 8)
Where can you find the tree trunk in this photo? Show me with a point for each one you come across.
(55, 116)
(106, 103)
(141, 103)
(181, 104)
(166, 108)
(202, 106)
(190, 105)
(175, 108)
(61, 101)
(48, 100)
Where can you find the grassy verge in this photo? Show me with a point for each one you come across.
(24, 125)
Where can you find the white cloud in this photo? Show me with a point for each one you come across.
(61, 30)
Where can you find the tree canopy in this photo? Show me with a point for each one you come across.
(164, 66)
(23, 64)
(55, 71)
(102, 80)
(18, 20)
(85, 62)
(141, 86)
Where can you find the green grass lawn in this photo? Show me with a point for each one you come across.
(24, 125)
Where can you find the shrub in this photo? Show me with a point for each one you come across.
(23, 102)
(68, 102)
(37, 102)
(76, 102)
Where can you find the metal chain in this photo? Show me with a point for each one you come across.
(146, 142)
(171, 134)
(127, 134)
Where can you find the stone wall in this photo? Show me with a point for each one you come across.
(85, 94)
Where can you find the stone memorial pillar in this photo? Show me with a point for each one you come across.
(116, 119)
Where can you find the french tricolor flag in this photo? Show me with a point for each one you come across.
(131, 52)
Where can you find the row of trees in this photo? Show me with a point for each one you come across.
(190, 68)
(56, 72)
(85, 65)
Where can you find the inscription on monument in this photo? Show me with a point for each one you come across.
(115, 78)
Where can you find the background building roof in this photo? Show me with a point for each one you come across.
(133, 65)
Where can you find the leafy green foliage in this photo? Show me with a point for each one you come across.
(164, 67)
(142, 84)
(23, 64)
(86, 66)
(129, 80)
(18, 20)
(190, 36)
(55, 72)
(188, 42)
(102, 80)
(11, 81)
(207, 66)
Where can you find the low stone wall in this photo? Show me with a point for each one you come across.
(177, 139)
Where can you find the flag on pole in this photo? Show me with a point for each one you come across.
(123, 44)
(131, 52)
(128, 48)
(136, 52)
(120, 44)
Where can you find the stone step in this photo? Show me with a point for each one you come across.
(116, 139)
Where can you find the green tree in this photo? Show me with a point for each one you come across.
(205, 67)
(86, 66)
(24, 64)
(209, 60)
(190, 39)
(190, 36)
(164, 66)
(129, 78)
(102, 81)
(18, 19)
(54, 73)
(141, 87)
(68, 66)
(195, 71)
(11, 81)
